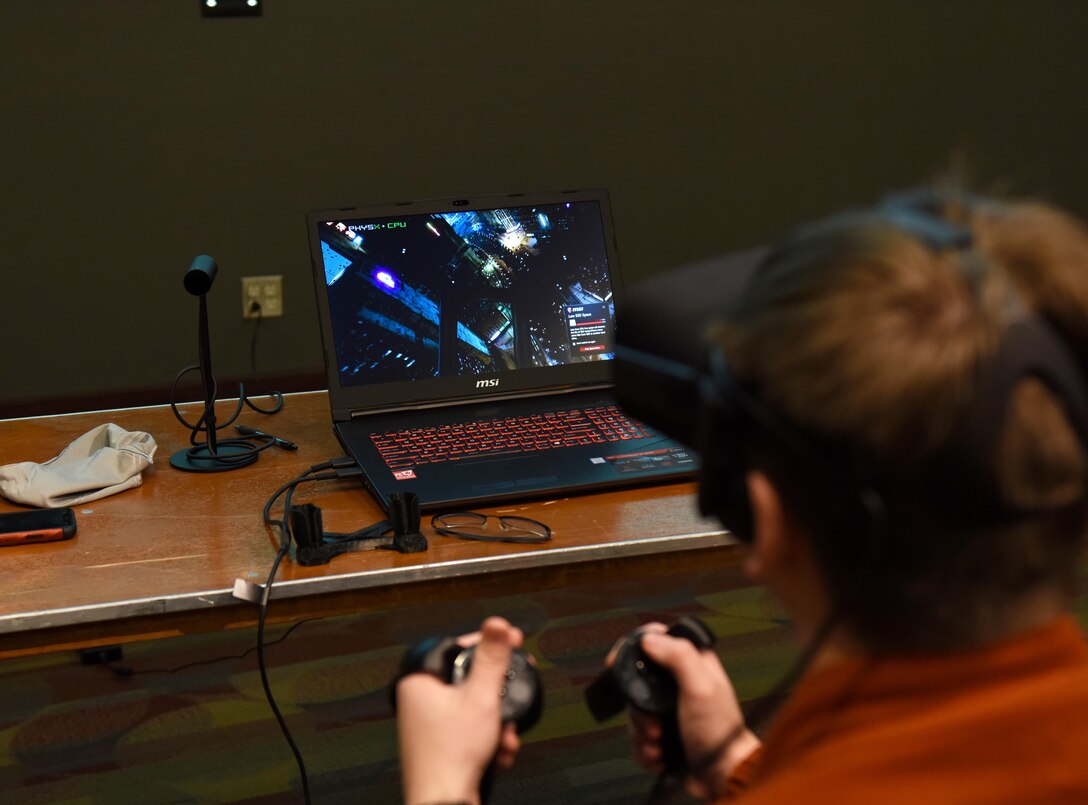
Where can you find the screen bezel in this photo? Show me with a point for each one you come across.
(349, 401)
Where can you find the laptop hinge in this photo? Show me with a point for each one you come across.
(490, 398)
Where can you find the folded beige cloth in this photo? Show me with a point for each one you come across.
(101, 462)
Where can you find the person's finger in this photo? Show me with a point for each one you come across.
(407, 686)
(470, 639)
(653, 626)
(492, 658)
(509, 745)
(649, 757)
(645, 733)
(646, 725)
(683, 658)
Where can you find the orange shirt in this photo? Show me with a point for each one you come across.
(1004, 724)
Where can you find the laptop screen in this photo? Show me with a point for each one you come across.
(465, 297)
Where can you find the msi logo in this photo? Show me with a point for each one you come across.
(484, 384)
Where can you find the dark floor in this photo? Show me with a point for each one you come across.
(204, 732)
(188, 727)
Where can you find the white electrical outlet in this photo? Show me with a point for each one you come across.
(262, 297)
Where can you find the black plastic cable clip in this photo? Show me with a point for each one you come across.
(404, 515)
(308, 533)
(306, 526)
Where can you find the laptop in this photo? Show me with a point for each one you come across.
(468, 345)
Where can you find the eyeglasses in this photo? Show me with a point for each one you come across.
(473, 525)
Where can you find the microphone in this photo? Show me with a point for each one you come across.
(201, 275)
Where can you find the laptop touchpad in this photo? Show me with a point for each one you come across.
(517, 483)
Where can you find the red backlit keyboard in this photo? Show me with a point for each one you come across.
(415, 446)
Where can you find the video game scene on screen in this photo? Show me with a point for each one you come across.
(468, 292)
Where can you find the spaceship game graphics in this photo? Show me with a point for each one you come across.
(467, 292)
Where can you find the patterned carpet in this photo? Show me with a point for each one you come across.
(203, 733)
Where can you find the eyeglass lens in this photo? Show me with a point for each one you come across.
(482, 522)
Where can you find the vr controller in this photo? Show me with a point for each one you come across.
(522, 695)
(637, 681)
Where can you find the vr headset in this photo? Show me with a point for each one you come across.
(670, 376)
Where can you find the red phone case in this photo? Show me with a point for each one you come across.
(39, 525)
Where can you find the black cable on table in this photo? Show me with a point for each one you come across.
(326, 471)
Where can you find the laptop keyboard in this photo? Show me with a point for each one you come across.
(520, 434)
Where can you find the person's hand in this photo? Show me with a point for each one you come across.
(449, 734)
(712, 727)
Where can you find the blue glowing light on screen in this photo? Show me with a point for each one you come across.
(385, 277)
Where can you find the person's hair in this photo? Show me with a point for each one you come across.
(867, 337)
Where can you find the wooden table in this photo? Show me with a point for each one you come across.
(162, 559)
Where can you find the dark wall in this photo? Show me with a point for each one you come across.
(138, 134)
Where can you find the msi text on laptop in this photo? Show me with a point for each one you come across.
(468, 346)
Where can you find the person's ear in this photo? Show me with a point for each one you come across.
(770, 542)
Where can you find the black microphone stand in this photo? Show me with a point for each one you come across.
(212, 455)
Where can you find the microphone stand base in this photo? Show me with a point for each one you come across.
(227, 457)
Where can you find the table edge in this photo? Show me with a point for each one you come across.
(203, 600)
